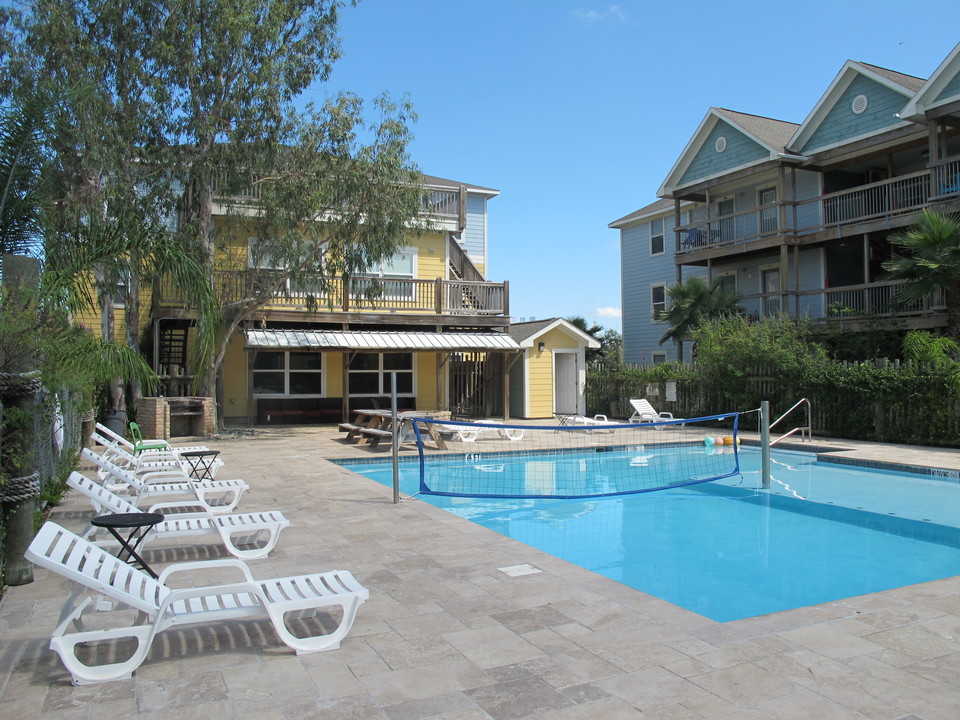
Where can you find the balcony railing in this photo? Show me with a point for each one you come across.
(899, 196)
(851, 302)
(358, 294)
(438, 203)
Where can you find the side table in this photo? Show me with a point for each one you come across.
(201, 463)
(139, 524)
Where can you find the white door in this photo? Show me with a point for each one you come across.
(566, 390)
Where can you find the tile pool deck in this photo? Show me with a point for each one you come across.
(446, 634)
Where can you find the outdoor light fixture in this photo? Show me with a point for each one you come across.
(541, 346)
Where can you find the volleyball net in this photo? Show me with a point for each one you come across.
(581, 458)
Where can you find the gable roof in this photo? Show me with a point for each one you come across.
(753, 139)
(941, 88)
(438, 182)
(655, 208)
(526, 333)
(830, 124)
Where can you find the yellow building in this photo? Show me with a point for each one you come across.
(426, 318)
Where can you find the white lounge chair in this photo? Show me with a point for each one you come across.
(216, 496)
(644, 412)
(257, 532)
(596, 420)
(161, 607)
(470, 432)
(124, 453)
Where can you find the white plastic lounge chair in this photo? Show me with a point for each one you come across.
(643, 412)
(243, 529)
(161, 607)
(470, 432)
(117, 446)
(224, 495)
(596, 420)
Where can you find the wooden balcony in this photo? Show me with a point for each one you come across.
(880, 204)
(402, 299)
(849, 303)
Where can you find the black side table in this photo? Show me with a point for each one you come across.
(139, 524)
(201, 463)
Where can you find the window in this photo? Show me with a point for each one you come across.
(389, 279)
(658, 358)
(766, 197)
(121, 288)
(269, 259)
(728, 281)
(287, 373)
(658, 301)
(727, 226)
(369, 373)
(656, 237)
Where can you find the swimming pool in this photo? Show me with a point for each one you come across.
(726, 549)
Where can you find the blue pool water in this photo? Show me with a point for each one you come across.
(729, 550)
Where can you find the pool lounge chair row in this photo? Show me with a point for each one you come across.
(205, 508)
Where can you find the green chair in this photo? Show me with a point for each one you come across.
(139, 445)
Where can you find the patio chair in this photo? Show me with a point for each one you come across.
(161, 607)
(470, 432)
(224, 494)
(243, 529)
(643, 412)
(596, 420)
(161, 450)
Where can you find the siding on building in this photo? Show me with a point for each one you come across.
(951, 89)
(475, 234)
(740, 150)
(841, 123)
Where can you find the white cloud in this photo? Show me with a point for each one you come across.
(607, 312)
(592, 16)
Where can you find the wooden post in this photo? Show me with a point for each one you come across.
(19, 491)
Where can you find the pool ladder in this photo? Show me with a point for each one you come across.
(806, 431)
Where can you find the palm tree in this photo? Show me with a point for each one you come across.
(692, 302)
(930, 263)
(21, 157)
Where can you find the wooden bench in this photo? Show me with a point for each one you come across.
(352, 431)
(375, 435)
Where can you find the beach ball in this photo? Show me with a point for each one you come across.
(728, 440)
(708, 441)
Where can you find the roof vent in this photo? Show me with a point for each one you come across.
(721, 144)
(859, 104)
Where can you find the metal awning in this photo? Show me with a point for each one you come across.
(380, 341)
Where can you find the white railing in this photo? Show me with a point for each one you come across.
(806, 431)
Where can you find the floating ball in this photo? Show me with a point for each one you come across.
(718, 440)
(708, 441)
(728, 440)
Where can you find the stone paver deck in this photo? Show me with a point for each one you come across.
(446, 634)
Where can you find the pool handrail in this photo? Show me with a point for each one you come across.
(806, 431)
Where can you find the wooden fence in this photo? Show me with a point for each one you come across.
(877, 401)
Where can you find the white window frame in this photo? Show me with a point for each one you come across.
(728, 274)
(287, 370)
(762, 215)
(383, 376)
(654, 304)
(385, 272)
(658, 358)
(661, 235)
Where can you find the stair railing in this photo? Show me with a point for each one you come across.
(806, 431)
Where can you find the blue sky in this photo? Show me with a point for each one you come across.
(576, 111)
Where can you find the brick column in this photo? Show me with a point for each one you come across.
(153, 417)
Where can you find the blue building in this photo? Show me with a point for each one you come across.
(796, 217)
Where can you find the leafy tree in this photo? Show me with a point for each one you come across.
(691, 303)
(929, 263)
(594, 331)
(194, 101)
(21, 158)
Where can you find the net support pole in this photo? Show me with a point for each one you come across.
(395, 438)
(765, 443)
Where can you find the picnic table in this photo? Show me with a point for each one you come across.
(370, 426)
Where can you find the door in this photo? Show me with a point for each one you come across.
(727, 225)
(566, 388)
(770, 287)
